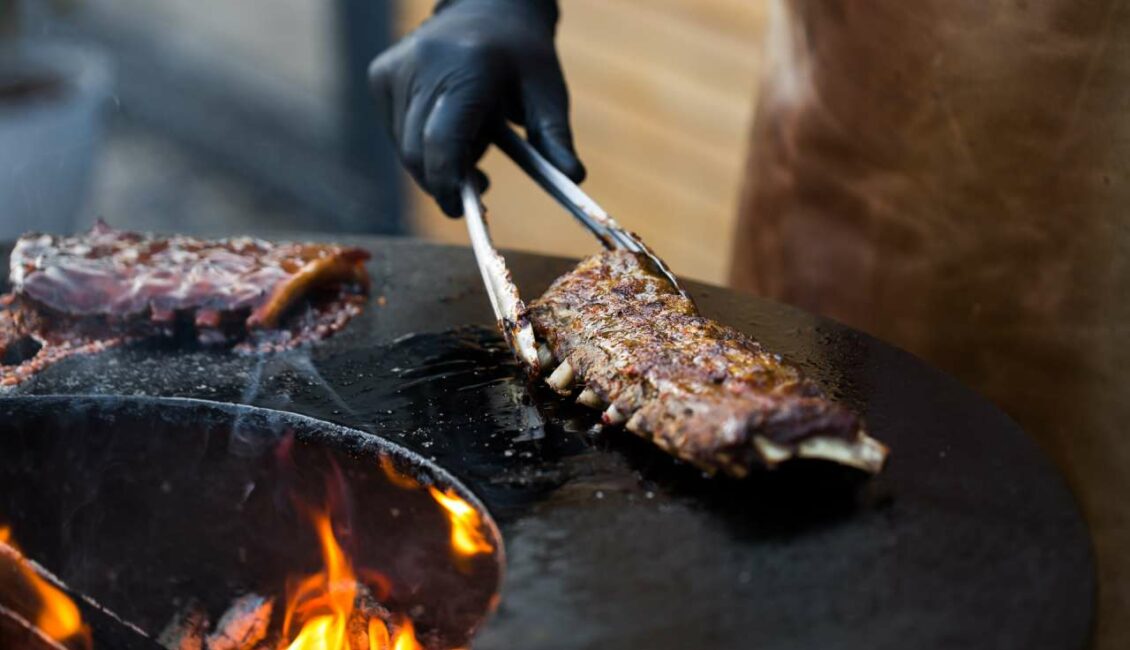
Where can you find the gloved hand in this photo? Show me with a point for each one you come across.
(443, 88)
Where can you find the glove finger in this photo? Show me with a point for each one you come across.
(381, 72)
(411, 137)
(545, 106)
(453, 140)
(389, 102)
(452, 205)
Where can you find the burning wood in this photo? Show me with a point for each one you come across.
(336, 608)
(369, 624)
(18, 633)
(243, 626)
(187, 629)
(39, 612)
(30, 598)
(333, 610)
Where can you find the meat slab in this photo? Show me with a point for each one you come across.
(702, 391)
(105, 287)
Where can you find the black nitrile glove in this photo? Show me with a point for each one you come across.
(473, 64)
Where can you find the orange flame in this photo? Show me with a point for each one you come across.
(394, 476)
(405, 638)
(58, 616)
(323, 603)
(467, 538)
(378, 635)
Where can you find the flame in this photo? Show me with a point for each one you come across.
(405, 638)
(467, 538)
(324, 600)
(394, 476)
(58, 616)
(378, 635)
(323, 603)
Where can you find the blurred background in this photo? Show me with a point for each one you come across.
(213, 116)
(931, 212)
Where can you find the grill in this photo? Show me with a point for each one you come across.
(968, 539)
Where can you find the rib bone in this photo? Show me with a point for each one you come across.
(589, 398)
(613, 416)
(562, 378)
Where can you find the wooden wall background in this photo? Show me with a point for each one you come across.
(663, 94)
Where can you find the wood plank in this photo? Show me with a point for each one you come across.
(690, 52)
(607, 131)
(703, 111)
(733, 18)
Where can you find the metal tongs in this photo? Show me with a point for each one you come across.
(504, 298)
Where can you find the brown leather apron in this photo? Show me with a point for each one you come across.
(954, 176)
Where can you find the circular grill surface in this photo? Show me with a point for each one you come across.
(969, 539)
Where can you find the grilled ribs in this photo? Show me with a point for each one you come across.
(702, 391)
(92, 291)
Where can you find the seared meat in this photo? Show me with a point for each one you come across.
(124, 276)
(98, 289)
(702, 391)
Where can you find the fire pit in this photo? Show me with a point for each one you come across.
(165, 510)
(968, 539)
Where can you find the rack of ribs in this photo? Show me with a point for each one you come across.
(702, 391)
(99, 289)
